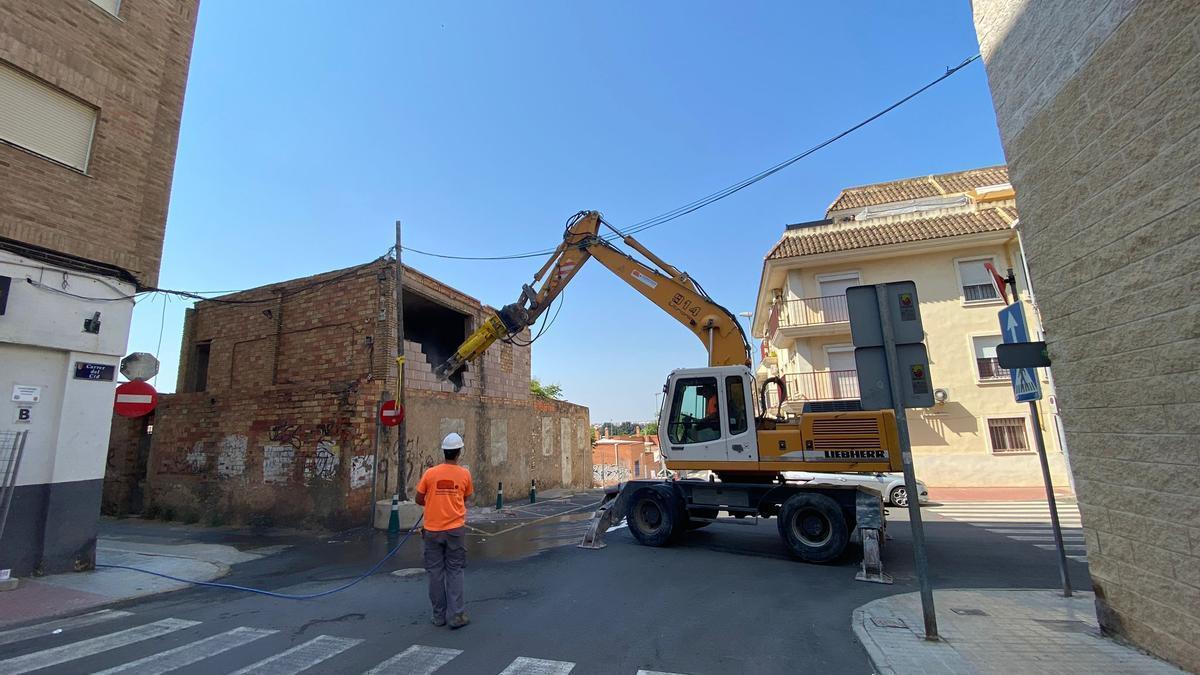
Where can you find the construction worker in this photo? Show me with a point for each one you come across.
(443, 491)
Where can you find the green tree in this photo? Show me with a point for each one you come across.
(651, 429)
(550, 392)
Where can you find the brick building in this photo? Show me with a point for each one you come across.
(90, 101)
(275, 418)
(1097, 105)
(616, 459)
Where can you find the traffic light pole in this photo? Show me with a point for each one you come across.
(920, 558)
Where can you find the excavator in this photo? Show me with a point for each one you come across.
(710, 421)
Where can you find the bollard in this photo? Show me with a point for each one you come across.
(500, 495)
(532, 491)
(394, 519)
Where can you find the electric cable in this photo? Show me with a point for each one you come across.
(273, 594)
(730, 190)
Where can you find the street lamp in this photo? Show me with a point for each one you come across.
(749, 331)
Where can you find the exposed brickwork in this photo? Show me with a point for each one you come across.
(1097, 105)
(284, 429)
(133, 69)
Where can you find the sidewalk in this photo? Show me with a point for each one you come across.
(1000, 494)
(173, 551)
(995, 631)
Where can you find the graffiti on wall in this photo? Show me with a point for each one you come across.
(323, 463)
(417, 459)
(196, 460)
(231, 461)
(606, 474)
(277, 464)
(360, 471)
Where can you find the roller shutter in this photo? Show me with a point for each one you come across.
(38, 117)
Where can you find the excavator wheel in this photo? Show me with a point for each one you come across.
(655, 515)
(813, 527)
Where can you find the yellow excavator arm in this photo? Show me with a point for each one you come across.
(672, 290)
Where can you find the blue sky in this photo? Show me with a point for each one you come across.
(482, 126)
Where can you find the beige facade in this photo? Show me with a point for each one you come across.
(1097, 105)
(938, 232)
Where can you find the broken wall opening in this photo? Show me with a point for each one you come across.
(437, 328)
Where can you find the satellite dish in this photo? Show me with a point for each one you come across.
(941, 395)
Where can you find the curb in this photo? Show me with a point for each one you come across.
(874, 652)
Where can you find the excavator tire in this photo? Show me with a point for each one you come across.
(813, 527)
(655, 515)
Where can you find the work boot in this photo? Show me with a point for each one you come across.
(437, 620)
(459, 621)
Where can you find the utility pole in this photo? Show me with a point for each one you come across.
(401, 430)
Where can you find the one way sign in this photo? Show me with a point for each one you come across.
(1025, 383)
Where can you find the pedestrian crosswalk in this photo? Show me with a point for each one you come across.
(69, 652)
(1024, 521)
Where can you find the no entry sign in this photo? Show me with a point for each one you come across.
(135, 399)
(390, 414)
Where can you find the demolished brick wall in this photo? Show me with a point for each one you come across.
(275, 421)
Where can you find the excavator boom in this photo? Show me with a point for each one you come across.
(663, 284)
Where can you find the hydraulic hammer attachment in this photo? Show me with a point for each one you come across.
(611, 511)
(493, 329)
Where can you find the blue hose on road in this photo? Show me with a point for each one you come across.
(285, 596)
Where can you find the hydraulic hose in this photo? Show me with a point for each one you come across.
(273, 594)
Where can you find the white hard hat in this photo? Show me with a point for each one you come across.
(452, 441)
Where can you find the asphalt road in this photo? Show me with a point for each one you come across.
(726, 600)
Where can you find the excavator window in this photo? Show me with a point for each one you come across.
(695, 411)
(735, 393)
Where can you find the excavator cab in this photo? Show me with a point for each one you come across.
(706, 420)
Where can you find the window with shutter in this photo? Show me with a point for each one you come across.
(976, 281)
(44, 120)
(987, 366)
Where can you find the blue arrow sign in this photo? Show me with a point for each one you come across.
(1025, 383)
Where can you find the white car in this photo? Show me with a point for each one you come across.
(890, 485)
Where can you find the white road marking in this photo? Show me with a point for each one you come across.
(416, 660)
(78, 650)
(301, 657)
(1027, 521)
(655, 672)
(527, 666)
(162, 662)
(48, 628)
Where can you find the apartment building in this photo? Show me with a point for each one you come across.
(938, 231)
(91, 93)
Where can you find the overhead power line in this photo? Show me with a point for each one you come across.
(702, 202)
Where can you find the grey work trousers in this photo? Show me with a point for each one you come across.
(445, 558)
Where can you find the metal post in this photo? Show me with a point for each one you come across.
(1058, 540)
(910, 479)
(375, 458)
(401, 435)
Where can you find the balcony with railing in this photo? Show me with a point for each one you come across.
(802, 317)
(820, 385)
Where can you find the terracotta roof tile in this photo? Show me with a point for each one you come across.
(916, 188)
(858, 236)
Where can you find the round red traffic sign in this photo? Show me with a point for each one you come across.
(390, 414)
(135, 399)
